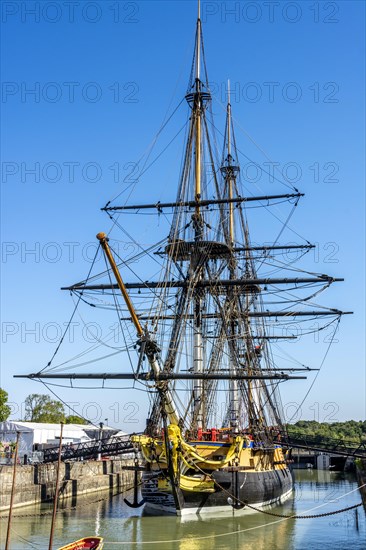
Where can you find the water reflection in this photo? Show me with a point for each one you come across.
(97, 520)
(201, 533)
(127, 528)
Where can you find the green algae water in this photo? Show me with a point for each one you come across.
(125, 528)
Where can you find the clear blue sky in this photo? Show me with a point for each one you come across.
(103, 76)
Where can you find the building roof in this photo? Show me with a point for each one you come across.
(31, 426)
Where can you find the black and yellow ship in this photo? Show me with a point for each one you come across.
(217, 472)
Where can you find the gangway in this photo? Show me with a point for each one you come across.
(326, 445)
(91, 449)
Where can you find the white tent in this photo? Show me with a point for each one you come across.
(33, 433)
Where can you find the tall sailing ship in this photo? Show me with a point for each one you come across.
(205, 328)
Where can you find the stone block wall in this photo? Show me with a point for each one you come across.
(36, 483)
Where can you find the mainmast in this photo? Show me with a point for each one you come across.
(197, 113)
(230, 180)
(196, 266)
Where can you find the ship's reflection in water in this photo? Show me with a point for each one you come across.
(126, 528)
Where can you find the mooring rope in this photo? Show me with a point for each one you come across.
(216, 535)
(70, 508)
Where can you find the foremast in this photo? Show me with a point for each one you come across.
(197, 101)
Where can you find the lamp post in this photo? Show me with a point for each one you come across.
(12, 492)
(57, 489)
(99, 457)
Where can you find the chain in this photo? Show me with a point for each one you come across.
(245, 503)
(325, 514)
(285, 516)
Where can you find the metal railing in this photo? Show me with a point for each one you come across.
(340, 447)
(90, 449)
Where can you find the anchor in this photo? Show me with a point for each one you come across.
(135, 503)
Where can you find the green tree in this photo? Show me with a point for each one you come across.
(41, 408)
(350, 430)
(74, 419)
(5, 410)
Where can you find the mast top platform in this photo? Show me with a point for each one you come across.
(184, 250)
(204, 97)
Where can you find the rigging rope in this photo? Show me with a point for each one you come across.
(117, 309)
(68, 406)
(151, 148)
(317, 374)
(288, 184)
(72, 316)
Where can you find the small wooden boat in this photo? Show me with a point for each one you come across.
(90, 543)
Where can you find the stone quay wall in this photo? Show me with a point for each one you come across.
(36, 483)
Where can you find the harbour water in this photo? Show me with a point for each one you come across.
(125, 528)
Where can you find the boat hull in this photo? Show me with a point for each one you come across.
(87, 543)
(232, 490)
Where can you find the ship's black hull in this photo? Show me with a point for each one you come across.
(233, 489)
